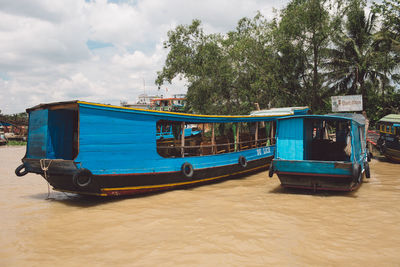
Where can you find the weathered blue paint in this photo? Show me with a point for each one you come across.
(293, 151)
(60, 137)
(37, 138)
(290, 141)
(310, 167)
(49, 136)
(126, 144)
(120, 156)
(129, 146)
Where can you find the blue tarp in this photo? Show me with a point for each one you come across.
(2, 123)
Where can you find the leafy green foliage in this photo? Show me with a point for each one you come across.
(311, 50)
(16, 119)
(16, 143)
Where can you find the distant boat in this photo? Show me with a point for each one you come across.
(321, 152)
(389, 135)
(105, 150)
(3, 139)
(164, 131)
(175, 104)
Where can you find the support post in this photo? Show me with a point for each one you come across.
(256, 135)
(183, 140)
(272, 133)
(237, 140)
(213, 138)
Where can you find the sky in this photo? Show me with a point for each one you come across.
(97, 50)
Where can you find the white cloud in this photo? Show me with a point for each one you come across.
(44, 55)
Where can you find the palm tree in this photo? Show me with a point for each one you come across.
(354, 56)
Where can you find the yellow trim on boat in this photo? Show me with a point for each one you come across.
(183, 183)
(184, 114)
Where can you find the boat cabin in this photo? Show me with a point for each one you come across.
(311, 148)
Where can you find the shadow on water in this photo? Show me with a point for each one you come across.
(318, 193)
(382, 158)
(86, 201)
(72, 199)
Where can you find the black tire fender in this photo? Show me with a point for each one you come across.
(82, 178)
(187, 170)
(19, 172)
(271, 170)
(383, 148)
(367, 171)
(356, 171)
(242, 161)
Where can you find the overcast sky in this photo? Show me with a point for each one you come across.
(100, 51)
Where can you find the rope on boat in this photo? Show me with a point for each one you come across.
(45, 169)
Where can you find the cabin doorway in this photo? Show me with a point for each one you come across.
(63, 134)
(327, 140)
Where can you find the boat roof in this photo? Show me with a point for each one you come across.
(394, 118)
(51, 105)
(167, 115)
(360, 119)
(280, 111)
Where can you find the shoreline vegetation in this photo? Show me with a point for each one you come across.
(16, 143)
(311, 50)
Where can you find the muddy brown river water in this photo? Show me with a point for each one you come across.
(243, 222)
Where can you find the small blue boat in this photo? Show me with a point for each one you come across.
(321, 152)
(105, 150)
(389, 137)
(164, 131)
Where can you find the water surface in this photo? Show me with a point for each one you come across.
(250, 222)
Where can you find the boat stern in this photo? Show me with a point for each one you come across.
(318, 175)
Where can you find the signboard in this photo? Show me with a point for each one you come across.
(347, 103)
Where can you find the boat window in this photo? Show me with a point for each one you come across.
(186, 139)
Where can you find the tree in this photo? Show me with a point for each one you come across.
(301, 40)
(358, 57)
(311, 50)
(226, 73)
(198, 58)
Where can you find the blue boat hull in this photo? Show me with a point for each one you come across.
(318, 175)
(61, 177)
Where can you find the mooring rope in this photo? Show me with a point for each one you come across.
(45, 169)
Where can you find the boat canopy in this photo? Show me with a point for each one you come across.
(281, 111)
(393, 118)
(360, 119)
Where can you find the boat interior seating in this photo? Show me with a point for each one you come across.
(224, 141)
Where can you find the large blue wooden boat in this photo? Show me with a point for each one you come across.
(321, 152)
(389, 137)
(105, 150)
